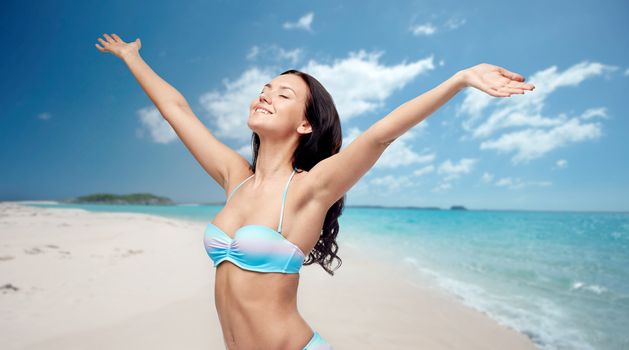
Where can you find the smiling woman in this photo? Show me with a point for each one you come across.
(296, 138)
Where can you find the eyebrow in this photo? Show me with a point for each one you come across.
(281, 87)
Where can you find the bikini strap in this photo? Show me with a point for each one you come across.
(279, 228)
(237, 187)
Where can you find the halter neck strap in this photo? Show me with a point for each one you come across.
(279, 228)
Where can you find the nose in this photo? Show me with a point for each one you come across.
(265, 98)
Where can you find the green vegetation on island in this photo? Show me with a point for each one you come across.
(457, 207)
(133, 198)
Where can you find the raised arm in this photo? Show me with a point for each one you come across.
(219, 161)
(334, 176)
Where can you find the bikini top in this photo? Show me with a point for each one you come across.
(255, 247)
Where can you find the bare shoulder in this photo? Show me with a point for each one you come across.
(237, 174)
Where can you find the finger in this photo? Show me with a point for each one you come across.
(518, 88)
(499, 86)
(103, 42)
(492, 90)
(512, 90)
(521, 86)
(100, 48)
(503, 81)
(511, 75)
(109, 39)
(487, 88)
(498, 93)
(116, 37)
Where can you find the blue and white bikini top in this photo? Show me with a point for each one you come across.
(255, 247)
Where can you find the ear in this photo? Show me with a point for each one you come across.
(304, 127)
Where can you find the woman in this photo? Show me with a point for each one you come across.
(296, 140)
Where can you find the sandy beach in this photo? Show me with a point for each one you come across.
(73, 279)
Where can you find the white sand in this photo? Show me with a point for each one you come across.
(132, 281)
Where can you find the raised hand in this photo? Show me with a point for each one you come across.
(495, 80)
(115, 45)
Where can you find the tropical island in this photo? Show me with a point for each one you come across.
(457, 207)
(133, 198)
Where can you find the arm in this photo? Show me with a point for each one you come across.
(220, 161)
(334, 176)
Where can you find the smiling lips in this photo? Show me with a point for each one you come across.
(262, 110)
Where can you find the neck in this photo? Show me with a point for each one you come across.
(274, 161)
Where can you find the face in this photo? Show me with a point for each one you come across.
(284, 98)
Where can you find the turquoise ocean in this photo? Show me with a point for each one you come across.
(561, 278)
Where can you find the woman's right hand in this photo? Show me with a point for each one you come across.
(118, 47)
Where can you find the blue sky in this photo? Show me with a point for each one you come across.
(74, 120)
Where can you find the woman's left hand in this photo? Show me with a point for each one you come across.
(495, 80)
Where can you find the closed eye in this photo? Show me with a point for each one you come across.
(261, 92)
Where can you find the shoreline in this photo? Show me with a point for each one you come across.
(127, 280)
(560, 211)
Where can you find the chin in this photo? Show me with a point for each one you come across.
(256, 125)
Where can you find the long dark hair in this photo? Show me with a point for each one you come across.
(324, 141)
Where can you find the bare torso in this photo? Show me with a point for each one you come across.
(259, 310)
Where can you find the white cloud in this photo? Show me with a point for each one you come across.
(524, 112)
(532, 143)
(626, 72)
(424, 170)
(426, 29)
(360, 84)
(229, 109)
(292, 55)
(158, 128)
(517, 183)
(487, 177)
(44, 116)
(351, 135)
(453, 171)
(509, 182)
(304, 22)
(512, 183)
(561, 163)
(594, 112)
(454, 23)
(399, 153)
(415, 132)
(253, 53)
(528, 105)
(275, 52)
(246, 151)
(512, 118)
(442, 186)
(473, 104)
(391, 182)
